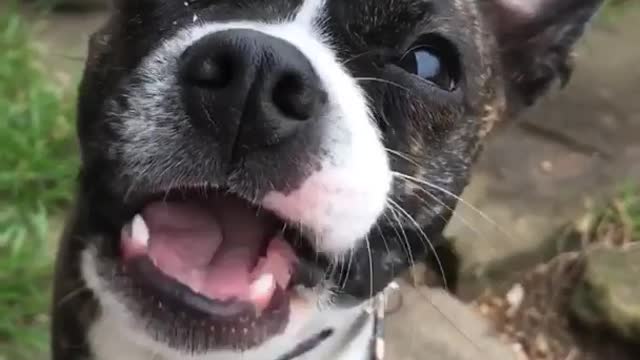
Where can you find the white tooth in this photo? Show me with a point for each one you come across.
(263, 286)
(139, 231)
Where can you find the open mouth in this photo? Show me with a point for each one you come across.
(216, 254)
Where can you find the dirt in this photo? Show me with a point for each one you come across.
(536, 312)
(537, 321)
(537, 316)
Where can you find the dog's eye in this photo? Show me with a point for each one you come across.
(432, 62)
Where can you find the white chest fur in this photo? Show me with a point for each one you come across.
(111, 340)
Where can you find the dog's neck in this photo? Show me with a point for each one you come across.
(351, 340)
(358, 336)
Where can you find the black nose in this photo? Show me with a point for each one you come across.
(250, 87)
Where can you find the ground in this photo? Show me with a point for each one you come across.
(574, 149)
(568, 154)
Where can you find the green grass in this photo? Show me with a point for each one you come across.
(622, 215)
(614, 10)
(37, 169)
(631, 203)
(616, 222)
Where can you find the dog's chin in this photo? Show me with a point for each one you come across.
(202, 270)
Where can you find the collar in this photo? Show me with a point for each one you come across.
(376, 311)
(307, 345)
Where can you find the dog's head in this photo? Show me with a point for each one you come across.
(252, 167)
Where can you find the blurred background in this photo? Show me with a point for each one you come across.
(545, 233)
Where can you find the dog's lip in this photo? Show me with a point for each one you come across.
(175, 295)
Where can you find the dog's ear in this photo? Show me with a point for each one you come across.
(535, 39)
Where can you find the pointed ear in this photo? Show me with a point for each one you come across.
(535, 39)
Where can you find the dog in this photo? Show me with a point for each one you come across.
(254, 172)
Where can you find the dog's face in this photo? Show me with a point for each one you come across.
(252, 168)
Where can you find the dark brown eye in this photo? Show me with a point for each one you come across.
(435, 63)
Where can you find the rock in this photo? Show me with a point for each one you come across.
(514, 297)
(608, 296)
(541, 327)
(432, 324)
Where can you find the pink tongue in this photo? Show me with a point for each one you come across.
(183, 236)
(211, 247)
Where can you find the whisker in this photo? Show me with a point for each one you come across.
(382, 115)
(135, 182)
(454, 214)
(165, 196)
(346, 277)
(207, 113)
(370, 266)
(384, 239)
(405, 244)
(333, 266)
(341, 262)
(484, 216)
(384, 81)
(316, 246)
(72, 295)
(402, 156)
(357, 56)
(425, 237)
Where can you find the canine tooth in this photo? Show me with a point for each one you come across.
(139, 231)
(263, 286)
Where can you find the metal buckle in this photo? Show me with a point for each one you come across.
(378, 309)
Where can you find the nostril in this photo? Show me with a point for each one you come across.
(250, 90)
(213, 72)
(297, 97)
